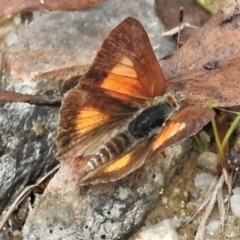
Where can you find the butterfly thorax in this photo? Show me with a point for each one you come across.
(144, 125)
(154, 116)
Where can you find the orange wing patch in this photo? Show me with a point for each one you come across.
(123, 85)
(85, 118)
(118, 168)
(125, 68)
(118, 164)
(88, 118)
(187, 122)
(126, 61)
(122, 80)
(169, 131)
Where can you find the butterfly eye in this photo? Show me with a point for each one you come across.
(172, 100)
(182, 104)
(180, 96)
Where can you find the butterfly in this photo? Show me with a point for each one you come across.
(120, 115)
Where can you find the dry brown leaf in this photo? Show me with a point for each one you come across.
(170, 12)
(18, 6)
(206, 68)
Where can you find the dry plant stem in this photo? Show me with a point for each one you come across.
(221, 207)
(23, 195)
(41, 100)
(227, 110)
(229, 180)
(179, 27)
(205, 201)
(200, 235)
(214, 194)
(175, 30)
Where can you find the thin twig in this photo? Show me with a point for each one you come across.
(23, 195)
(200, 235)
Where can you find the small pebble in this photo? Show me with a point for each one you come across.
(204, 136)
(177, 223)
(11, 39)
(236, 190)
(203, 180)
(161, 231)
(186, 196)
(17, 20)
(214, 227)
(208, 161)
(164, 200)
(235, 205)
(16, 234)
(196, 194)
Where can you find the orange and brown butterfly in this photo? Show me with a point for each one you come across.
(119, 116)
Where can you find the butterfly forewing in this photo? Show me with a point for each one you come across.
(126, 66)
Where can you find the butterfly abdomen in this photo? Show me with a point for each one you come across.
(114, 148)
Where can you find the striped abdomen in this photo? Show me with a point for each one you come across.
(111, 150)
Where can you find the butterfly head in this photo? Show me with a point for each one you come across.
(174, 100)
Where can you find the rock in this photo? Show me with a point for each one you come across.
(161, 231)
(236, 190)
(177, 223)
(208, 161)
(203, 181)
(105, 211)
(235, 205)
(214, 227)
(11, 38)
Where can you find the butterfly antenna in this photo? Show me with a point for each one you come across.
(179, 26)
(227, 110)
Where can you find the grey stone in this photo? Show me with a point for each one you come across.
(105, 211)
(161, 231)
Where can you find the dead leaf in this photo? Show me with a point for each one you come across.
(19, 6)
(170, 12)
(207, 66)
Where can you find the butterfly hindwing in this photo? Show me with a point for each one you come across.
(86, 119)
(186, 123)
(118, 168)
